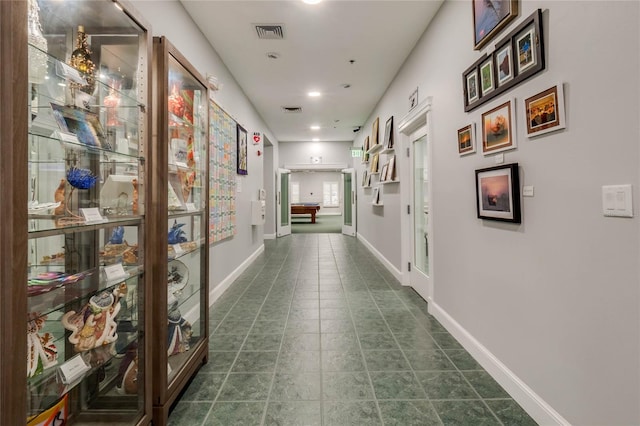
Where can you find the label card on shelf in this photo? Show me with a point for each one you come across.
(191, 207)
(115, 272)
(68, 72)
(92, 215)
(73, 369)
(66, 137)
(177, 248)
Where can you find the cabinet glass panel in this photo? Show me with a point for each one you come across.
(85, 278)
(187, 130)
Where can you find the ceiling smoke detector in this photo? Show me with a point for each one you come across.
(269, 31)
(292, 109)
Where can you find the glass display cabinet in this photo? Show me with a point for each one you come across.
(180, 164)
(84, 146)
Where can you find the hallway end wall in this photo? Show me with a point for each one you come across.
(555, 300)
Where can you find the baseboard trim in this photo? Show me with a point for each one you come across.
(215, 293)
(395, 271)
(532, 403)
(269, 236)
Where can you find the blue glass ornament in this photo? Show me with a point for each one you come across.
(117, 236)
(177, 235)
(81, 178)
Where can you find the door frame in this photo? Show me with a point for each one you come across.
(280, 230)
(417, 118)
(350, 229)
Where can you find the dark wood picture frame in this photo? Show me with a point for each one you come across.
(467, 139)
(544, 111)
(499, 128)
(526, 46)
(489, 18)
(498, 193)
(388, 133)
(241, 143)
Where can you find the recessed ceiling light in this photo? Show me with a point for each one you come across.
(315, 127)
(312, 1)
(315, 139)
(314, 94)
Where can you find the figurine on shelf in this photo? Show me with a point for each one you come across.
(127, 380)
(95, 325)
(176, 234)
(180, 330)
(176, 106)
(41, 352)
(78, 179)
(59, 197)
(111, 102)
(117, 235)
(135, 196)
(81, 60)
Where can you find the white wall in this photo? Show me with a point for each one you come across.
(555, 300)
(168, 18)
(301, 152)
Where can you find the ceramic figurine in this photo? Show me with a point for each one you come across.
(94, 325)
(58, 197)
(41, 352)
(177, 235)
(180, 330)
(134, 182)
(117, 236)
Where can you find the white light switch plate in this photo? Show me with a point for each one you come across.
(617, 201)
(527, 191)
(499, 158)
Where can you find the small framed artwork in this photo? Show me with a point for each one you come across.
(528, 47)
(489, 17)
(498, 128)
(383, 173)
(498, 193)
(467, 139)
(242, 150)
(545, 111)
(471, 87)
(368, 181)
(366, 144)
(391, 173)
(526, 53)
(486, 76)
(503, 58)
(413, 99)
(388, 133)
(375, 196)
(374, 132)
(374, 163)
(364, 178)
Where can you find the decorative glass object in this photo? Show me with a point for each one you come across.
(81, 60)
(38, 51)
(41, 352)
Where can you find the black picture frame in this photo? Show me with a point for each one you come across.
(241, 144)
(525, 46)
(498, 193)
(489, 18)
(388, 133)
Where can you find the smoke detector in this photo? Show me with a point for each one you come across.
(269, 31)
(292, 109)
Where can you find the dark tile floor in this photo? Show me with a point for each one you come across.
(317, 332)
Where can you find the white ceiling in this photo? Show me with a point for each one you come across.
(319, 41)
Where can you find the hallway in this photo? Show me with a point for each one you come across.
(317, 332)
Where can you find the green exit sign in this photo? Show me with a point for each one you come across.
(356, 152)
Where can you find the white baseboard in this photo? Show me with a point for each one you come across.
(226, 283)
(329, 214)
(269, 236)
(532, 403)
(395, 271)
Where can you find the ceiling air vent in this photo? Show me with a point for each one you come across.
(270, 31)
(292, 109)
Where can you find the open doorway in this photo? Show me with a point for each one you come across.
(316, 201)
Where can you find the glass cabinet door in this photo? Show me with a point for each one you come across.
(86, 213)
(181, 307)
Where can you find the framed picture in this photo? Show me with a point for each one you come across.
(489, 17)
(498, 193)
(413, 99)
(517, 57)
(374, 163)
(374, 132)
(383, 173)
(388, 133)
(498, 128)
(467, 139)
(364, 178)
(486, 76)
(545, 111)
(375, 197)
(391, 172)
(242, 149)
(368, 181)
(366, 144)
(503, 58)
(83, 124)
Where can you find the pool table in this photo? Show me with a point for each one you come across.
(306, 208)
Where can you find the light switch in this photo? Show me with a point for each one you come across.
(527, 191)
(617, 201)
(499, 158)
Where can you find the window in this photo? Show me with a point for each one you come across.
(330, 194)
(295, 192)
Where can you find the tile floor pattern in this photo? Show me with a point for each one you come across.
(317, 332)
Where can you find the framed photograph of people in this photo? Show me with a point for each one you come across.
(503, 58)
(498, 128)
(467, 139)
(242, 150)
(486, 76)
(545, 111)
(498, 193)
(490, 17)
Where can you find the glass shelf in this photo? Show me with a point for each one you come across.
(57, 149)
(45, 225)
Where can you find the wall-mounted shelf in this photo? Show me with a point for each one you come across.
(377, 204)
(386, 182)
(387, 150)
(374, 149)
